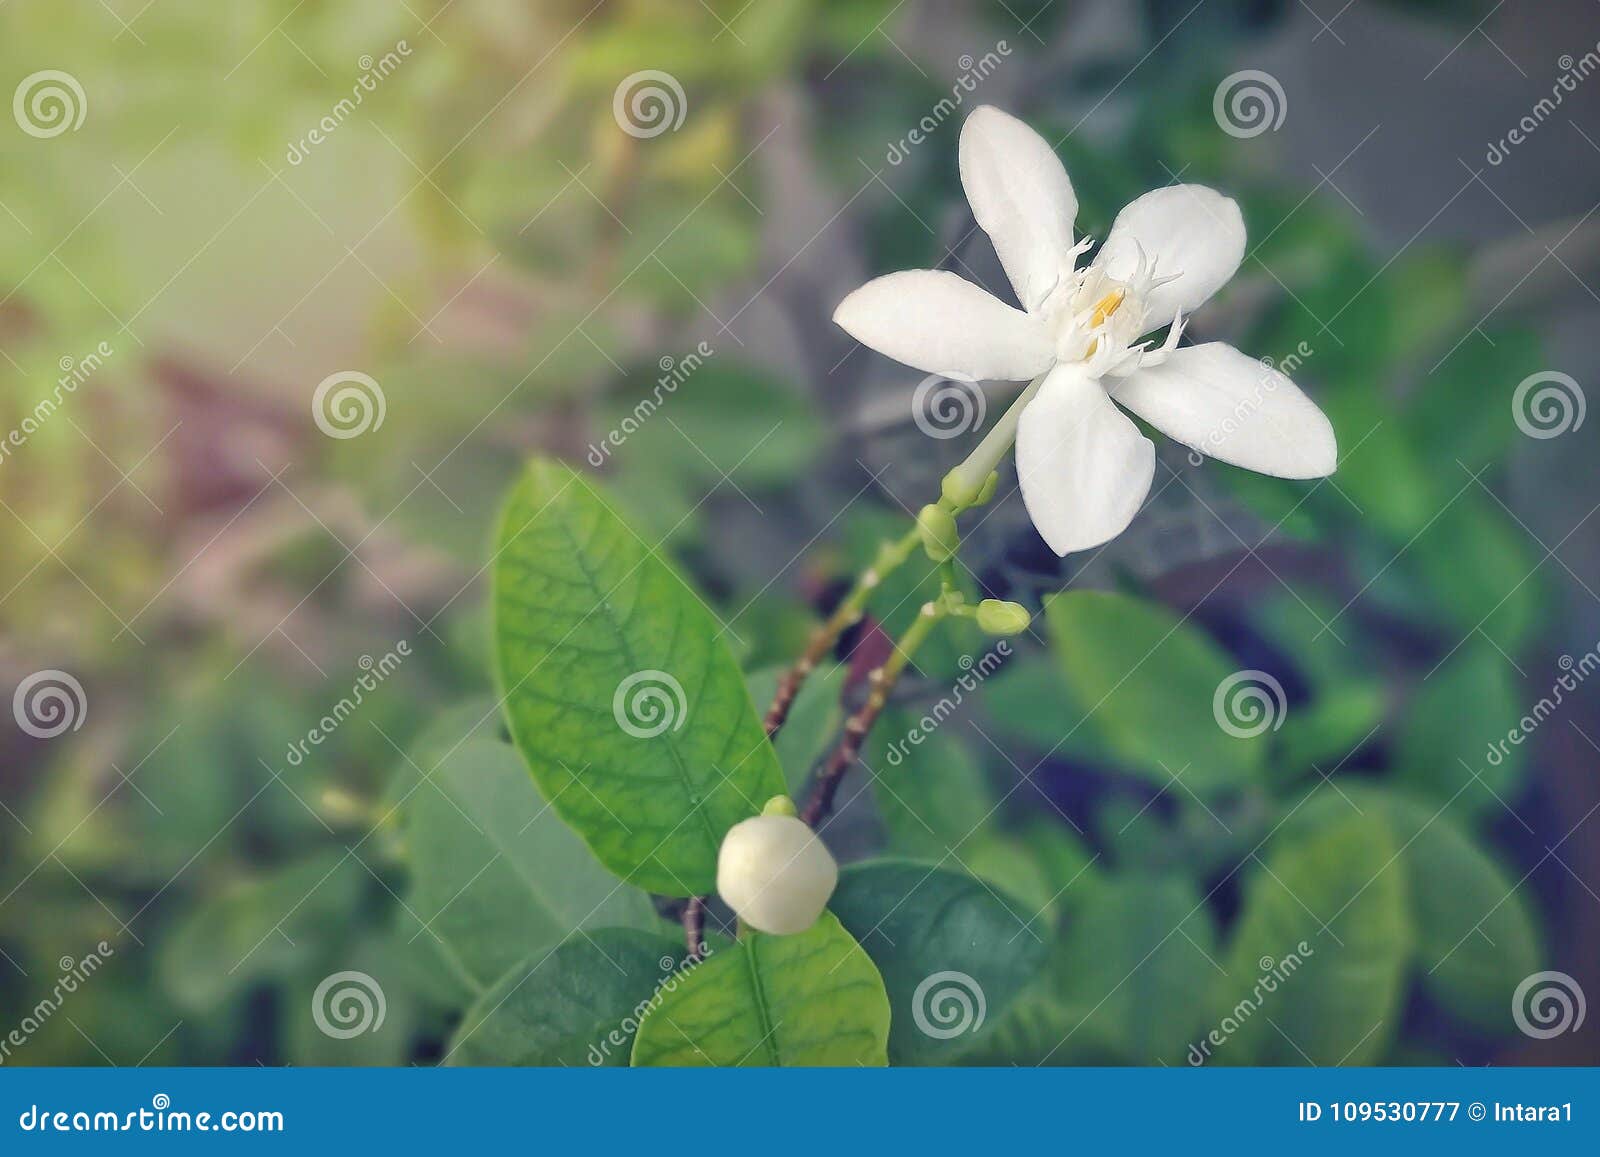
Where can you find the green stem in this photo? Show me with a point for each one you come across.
(969, 477)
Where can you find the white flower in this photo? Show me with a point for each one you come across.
(1083, 466)
(774, 872)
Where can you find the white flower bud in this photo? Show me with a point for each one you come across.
(775, 874)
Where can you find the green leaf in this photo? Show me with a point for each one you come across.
(265, 928)
(1137, 968)
(705, 415)
(620, 694)
(953, 952)
(1041, 863)
(810, 999)
(1339, 1003)
(1476, 938)
(1147, 680)
(579, 1003)
(1322, 732)
(1454, 744)
(496, 875)
(932, 794)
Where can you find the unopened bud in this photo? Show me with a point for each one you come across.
(998, 617)
(937, 526)
(775, 874)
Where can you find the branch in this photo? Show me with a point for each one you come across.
(846, 615)
(694, 927)
(880, 682)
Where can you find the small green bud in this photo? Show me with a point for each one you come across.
(990, 484)
(779, 805)
(958, 490)
(937, 526)
(1002, 618)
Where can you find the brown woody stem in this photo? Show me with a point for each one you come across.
(857, 727)
(846, 614)
(694, 927)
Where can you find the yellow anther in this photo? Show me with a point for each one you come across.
(1107, 306)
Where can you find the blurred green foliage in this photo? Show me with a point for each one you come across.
(1120, 922)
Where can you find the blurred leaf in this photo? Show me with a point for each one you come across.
(1461, 412)
(714, 421)
(1322, 732)
(1147, 679)
(1340, 1003)
(1041, 863)
(1429, 296)
(810, 999)
(1137, 968)
(1028, 700)
(1476, 938)
(1452, 745)
(952, 951)
(933, 795)
(579, 1003)
(495, 873)
(269, 927)
(620, 693)
(388, 1043)
(1478, 570)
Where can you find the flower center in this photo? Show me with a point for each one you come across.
(1098, 318)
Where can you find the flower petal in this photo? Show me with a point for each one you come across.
(1189, 231)
(1216, 400)
(935, 321)
(1021, 196)
(1083, 466)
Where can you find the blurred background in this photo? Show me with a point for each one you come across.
(289, 290)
